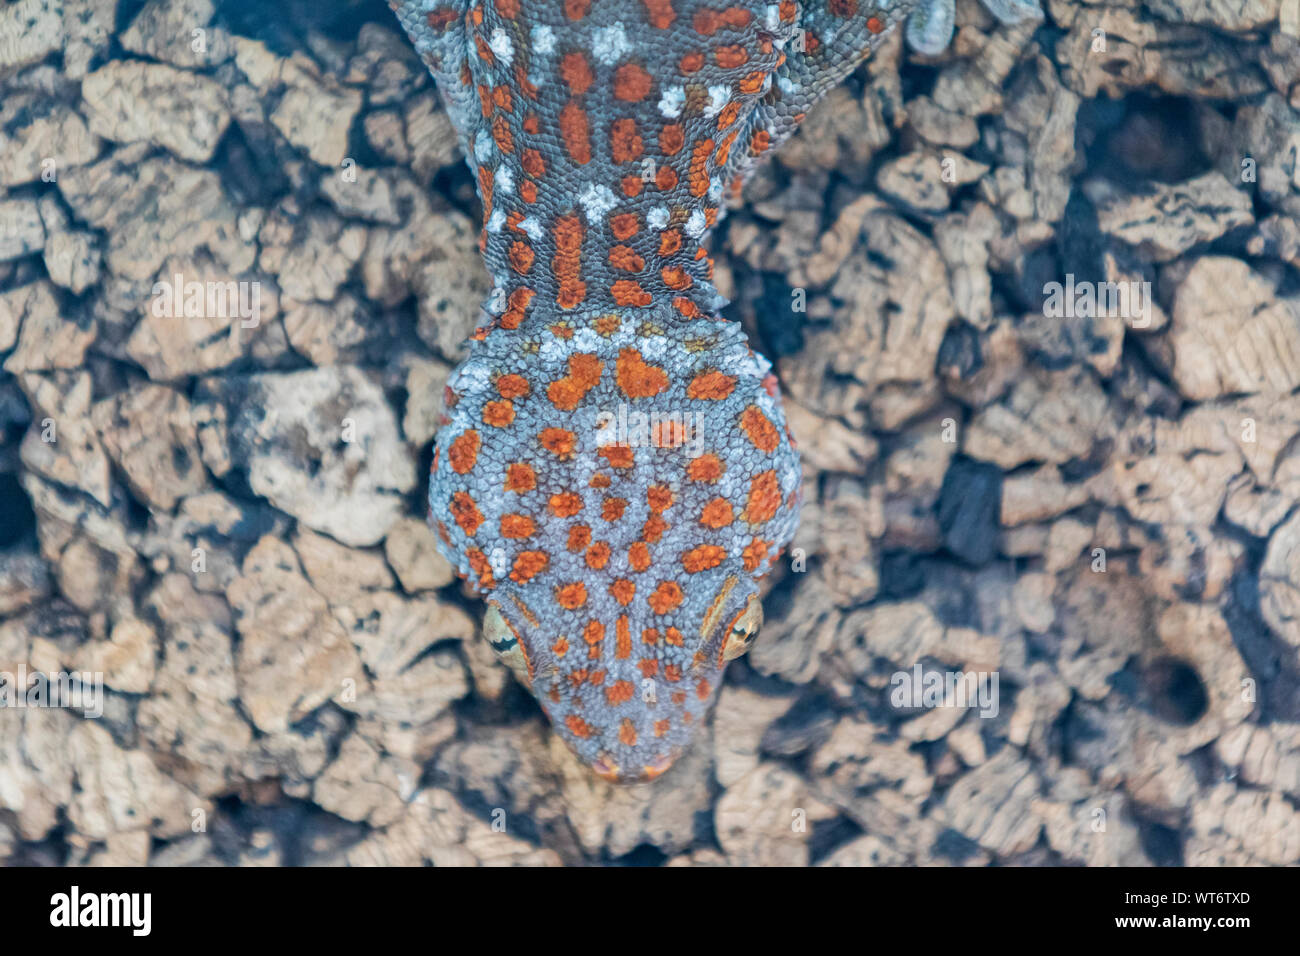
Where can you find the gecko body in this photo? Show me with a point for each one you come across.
(614, 472)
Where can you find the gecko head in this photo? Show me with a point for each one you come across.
(615, 489)
(627, 697)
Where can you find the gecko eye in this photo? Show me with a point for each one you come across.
(505, 642)
(743, 630)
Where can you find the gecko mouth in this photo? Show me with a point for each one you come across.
(607, 769)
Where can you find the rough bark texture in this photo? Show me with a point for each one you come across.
(225, 517)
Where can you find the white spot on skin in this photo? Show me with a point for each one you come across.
(483, 147)
(786, 84)
(532, 228)
(505, 179)
(496, 220)
(674, 98)
(695, 225)
(657, 218)
(610, 44)
(543, 39)
(501, 46)
(715, 189)
(596, 201)
(718, 98)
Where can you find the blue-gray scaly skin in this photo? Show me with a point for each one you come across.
(614, 471)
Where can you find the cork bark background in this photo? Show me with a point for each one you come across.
(226, 518)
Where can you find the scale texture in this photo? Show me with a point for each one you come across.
(614, 472)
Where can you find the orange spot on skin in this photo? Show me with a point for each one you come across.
(627, 731)
(760, 142)
(520, 477)
(576, 73)
(625, 258)
(623, 591)
(752, 83)
(518, 307)
(512, 386)
(674, 637)
(629, 292)
(560, 647)
(567, 262)
(698, 173)
(638, 556)
(534, 164)
(479, 563)
(498, 414)
(463, 452)
(692, 62)
(875, 25)
(576, 9)
(703, 557)
(708, 22)
(528, 565)
(659, 498)
(637, 378)
(632, 83)
(571, 596)
(717, 513)
(576, 133)
(579, 538)
(577, 726)
(598, 555)
(660, 13)
(625, 145)
(624, 226)
(731, 56)
(662, 727)
(648, 666)
(666, 597)
(611, 509)
(671, 139)
(620, 692)
(650, 635)
(755, 554)
(466, 513)
(618, 456)
(622, 638)
(593, 634)
(711, 385)
(703, 689)
(707, 468)
(557, 441)
(764, 498)
(632, 186)
(725, 119)
(584, 372)
(670, 242)
(517, 526)
(665, 178)
(521, 256)
(501, 134)
(759, 429)
(653, 529)
(565, 504)
(676, 278)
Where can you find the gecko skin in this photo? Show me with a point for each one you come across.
(614, 472)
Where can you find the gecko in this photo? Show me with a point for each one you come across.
(613, 471)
